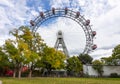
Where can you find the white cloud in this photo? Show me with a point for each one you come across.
(12, 15)
(6, 3)
(59, 3)
(101, 53)
(9, 11)
(107, 27)
(113, 3)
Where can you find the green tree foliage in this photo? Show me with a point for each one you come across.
(74, 65)
(114, 59)
(98, 66)
(51, 59)
(25, 49)
(4, 62)
(116, 55)
(116, 52)
(85, 58)
(35, 44)
(107, 60)
(17, 52)
(12, 53)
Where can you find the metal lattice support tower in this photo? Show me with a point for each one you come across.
(61, 44)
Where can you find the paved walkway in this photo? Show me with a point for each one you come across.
(0, 82)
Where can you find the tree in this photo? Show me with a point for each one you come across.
(107, 60)
(25, 49)
(51, 59)
(17, 51)
(85, 58)
(114, 59)
(35, 44)
(98, 66)
(74, 65)
(116, 52)
(116, 55)
(4, 61)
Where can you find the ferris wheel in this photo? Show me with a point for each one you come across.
(73, 15)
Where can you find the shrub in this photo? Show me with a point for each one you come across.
(114, 75)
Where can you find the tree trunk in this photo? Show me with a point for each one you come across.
(30, 74)
(19, 72)
(14, 73)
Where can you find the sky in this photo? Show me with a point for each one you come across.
(103, 14)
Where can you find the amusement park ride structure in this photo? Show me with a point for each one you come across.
(60, 43)
(75, 16)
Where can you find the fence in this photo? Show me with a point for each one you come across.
(107, 70)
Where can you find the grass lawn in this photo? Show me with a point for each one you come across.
(61, 80)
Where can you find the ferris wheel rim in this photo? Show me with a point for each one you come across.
(44, 16)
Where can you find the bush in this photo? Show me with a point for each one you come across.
(114, 75)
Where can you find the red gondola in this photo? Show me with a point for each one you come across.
(87, 22)
(53, 11)
(94, 33)
(66, 10)
(32, 23)
(42, 14)
(94, 46)
(77, 14)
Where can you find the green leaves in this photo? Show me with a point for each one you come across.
(3, 58)
(25, 34)
(74, 64)
(115, 58)
(98, 66)
(52, 59)
(85, 58)
(116, 52)
(26, 48)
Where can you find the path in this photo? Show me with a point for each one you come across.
(0, 82)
